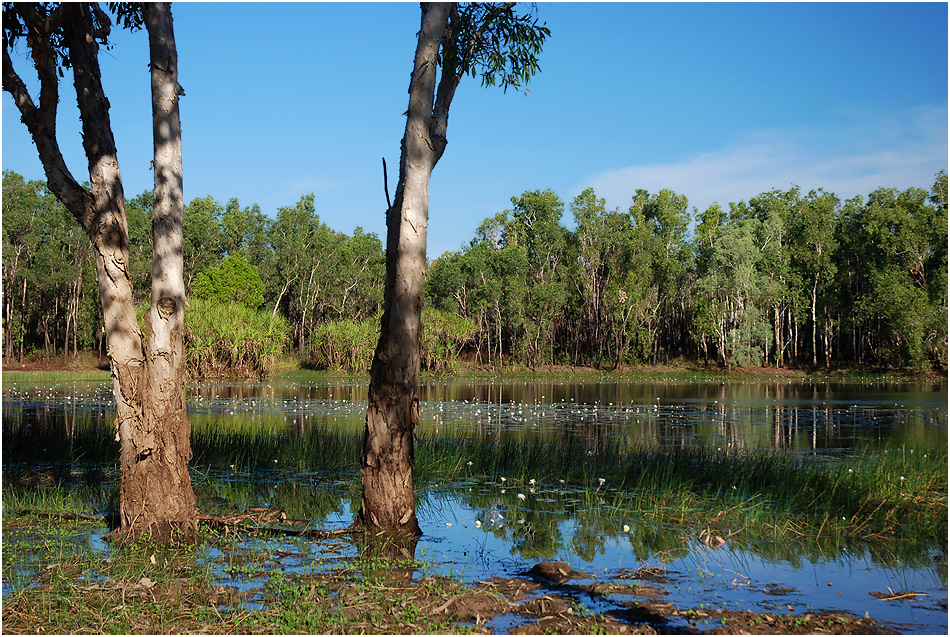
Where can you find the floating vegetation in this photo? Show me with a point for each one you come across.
(512, 471)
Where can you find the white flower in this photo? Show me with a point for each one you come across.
(448, 524)
(531, 481)
(561, 481)
(504, 479)
(478, 524)
(470, 463)
(521, 496)
(502, 490)
(602, 481)
(531, 490)
(626, 528)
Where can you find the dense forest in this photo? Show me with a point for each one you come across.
(783, 279)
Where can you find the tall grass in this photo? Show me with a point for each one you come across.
(57, 376)
(874, 497)
(232, 340)
(345, 345)
(348, 346)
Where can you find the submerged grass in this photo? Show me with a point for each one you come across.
(145, 589)
(894, 494)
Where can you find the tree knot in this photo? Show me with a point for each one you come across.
(166, 307)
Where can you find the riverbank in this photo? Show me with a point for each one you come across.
(91, 365)
(649, 483)
(146, 589)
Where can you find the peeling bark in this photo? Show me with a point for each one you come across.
(392, 415)
(155, 495)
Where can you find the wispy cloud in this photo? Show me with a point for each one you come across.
(900, 150)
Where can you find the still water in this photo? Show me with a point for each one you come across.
(479, 526)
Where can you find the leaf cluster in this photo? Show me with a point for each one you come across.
(44, 21)
(493, 41)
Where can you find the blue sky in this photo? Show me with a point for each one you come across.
(718, 102)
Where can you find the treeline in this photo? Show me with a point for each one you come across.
(783, 279)
(292, 266)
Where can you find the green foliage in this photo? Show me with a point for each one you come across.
(784, 278)
(444, 334)
(233, 280)
(50, 292)
(492, 40)
(232, 339)
(345, 345)
(348, 346)
(317, 275)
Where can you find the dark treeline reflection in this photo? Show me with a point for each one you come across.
(44, 423)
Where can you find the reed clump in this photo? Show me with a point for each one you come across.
(884, 495)
(231, 340)
(348, 346)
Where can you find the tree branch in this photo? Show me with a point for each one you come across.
(41, 121)
(386, 185)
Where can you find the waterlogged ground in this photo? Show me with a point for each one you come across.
(478, 527)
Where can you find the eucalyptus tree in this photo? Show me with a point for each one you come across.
(813, 257)
(302, 248)
(613, 285)
(155, 495)
(454, 40)
(667, 216)
(202, 235)
(781, 297)
(905, 254)
(536, 231)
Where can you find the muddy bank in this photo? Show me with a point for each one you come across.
(393, 602)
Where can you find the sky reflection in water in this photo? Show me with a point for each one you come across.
(810, 418)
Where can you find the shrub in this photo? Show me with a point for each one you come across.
(349, 345)
(346, 345)
(233, 280)
(230, 339)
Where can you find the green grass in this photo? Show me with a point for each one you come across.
(65, 588)
(42, 376)
(892, 496)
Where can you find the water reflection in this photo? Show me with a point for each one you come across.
(781, 414)
(478, 527)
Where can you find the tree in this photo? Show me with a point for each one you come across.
(155, 496)
(487, 39)
(535, 230)
(233, 280)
